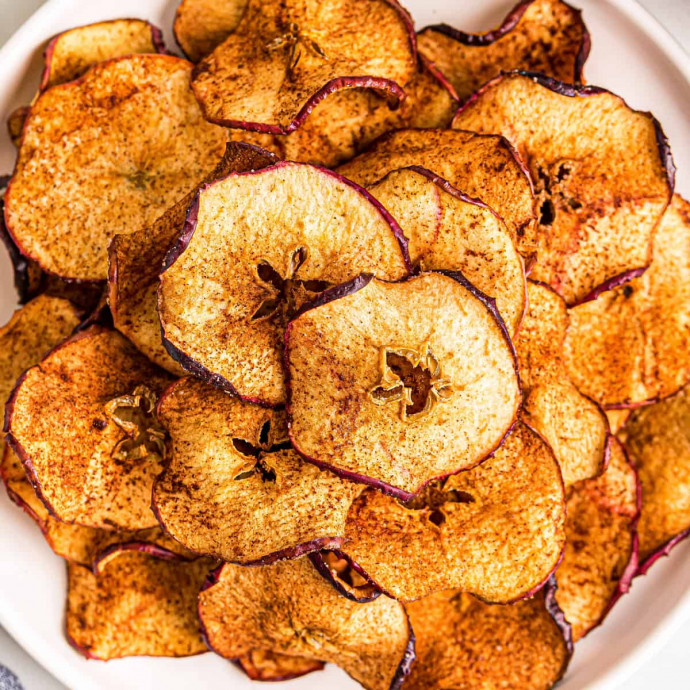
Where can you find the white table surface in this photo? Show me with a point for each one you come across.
(668, 670)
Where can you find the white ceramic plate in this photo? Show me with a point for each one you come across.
(631, 55)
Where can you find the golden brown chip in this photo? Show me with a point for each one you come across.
(483, 167)
(255, 247)
(138, 604)
(574, 426)
(396, 384)
(600, 197)
(632, 345)
(288, 608)
(104, 155)
(82, 421)
(447, 230)
(284, 57)
(545, 36)
(465, 644)
(600, 557)
(345, 575)
(15, 124)
(269, 666)
(234, 492)
(496, 531)
(617, 418)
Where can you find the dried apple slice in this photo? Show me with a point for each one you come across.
(288, 608)
(575, 426)
(600, 558)
(82, 421)
(257, 246)
(496, 531)
(448, 230)
(617, 418)
(142, 602)
(268, 666)
(345, 575)
(233, 490)
(285, 57)
(600, 199)
(135, 260)
(15, 124)
(118, 147)
(483, 167)
(421, 380)
(631, 346)
(462, 642)
(545, 36)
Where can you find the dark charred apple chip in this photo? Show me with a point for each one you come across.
(600, 557)
(83, 423)
(465, 644)
(483, 167)
(285, 57)
(255, 247)
(632, 344)
(135, 260)
(233, 490)
(345, 575)
(496, 531)
(447, 230)
(141, 602)
(396, 384)
(268, 666)
(658, 441)
(288, 608)
(574, 426)
(545, 36)
(105, 155)
(599, 197)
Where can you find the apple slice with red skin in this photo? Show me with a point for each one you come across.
(545, 36)
(422, 380)
(269, 666)
(599, 198)
(257, 246)
(345, 575)
(465, 643)
(289, 608)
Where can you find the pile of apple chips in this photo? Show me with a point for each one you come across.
(344, 343)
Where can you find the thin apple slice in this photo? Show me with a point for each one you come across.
(600, 198)
(483, 167)
(631, 346)
(15, 124)
(105, 155)
(82, 421)
(256, 246)
(135, 260)
(545, 36)
(396, 384)
(462, 642)
(575, 426)
(600, 558)
(285, 57)
(345, 575)
(233, 490)
(288, 608)
(269, 666)
(496, 531)
(141, 602)
(447, 230)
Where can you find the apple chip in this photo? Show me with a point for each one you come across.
(135, 260)
(483, 167)
(396, 384)
(15, 124)
(545, 36)
(345, 575)
(255, 247)
(617, 418)
(104, 155)
(141, 603)
(632, 345)
(83, 423)
(233, 488)
(285, 57)
(658, 441)
(496, 531)
(600, 557)
(448, 230)
(574, 426)
(288, 608)
(599, 197)
(466, 644)
(268, 666)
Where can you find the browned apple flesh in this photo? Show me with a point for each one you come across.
(269, 666)
(346, 576)
(15, 124)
